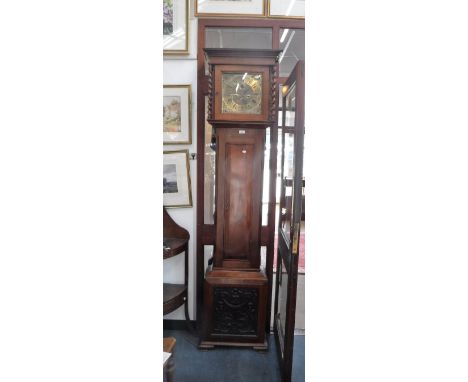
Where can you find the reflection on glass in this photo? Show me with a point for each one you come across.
(263, 251)
(241, 93)
(288, 173)
(209, 159)
(292, 43)
(288, 8)
(280, 98)
(266, 178)
(208, 252)
(278, 166)
(248, 38)
(290, 106)
(282, 300)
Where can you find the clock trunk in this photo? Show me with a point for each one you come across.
(238, 200)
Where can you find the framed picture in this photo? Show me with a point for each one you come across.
(292, 9)
(175, 27)
(177, 112)
(177, 189)
(229, 8)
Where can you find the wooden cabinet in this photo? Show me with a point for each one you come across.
(175, 242)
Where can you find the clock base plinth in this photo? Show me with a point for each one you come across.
(209, 345)
(235, 309)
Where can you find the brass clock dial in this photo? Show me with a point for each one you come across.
(241, 93)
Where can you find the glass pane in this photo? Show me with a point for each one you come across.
(292, 43)
(290, 107)
(208, 253)
(288, 8)
(209, 158)
(266, 178)
(278, 167)
(241, 93)
(263, 251)
(248, 38)
(280, 98)
(287, 189)
(282, 300)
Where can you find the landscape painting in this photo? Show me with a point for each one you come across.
(168, 17)
(177, 115)
(170, 179)
(175, 27)
(171, 114)
(177, 188)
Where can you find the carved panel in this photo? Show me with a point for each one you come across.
(235, 311)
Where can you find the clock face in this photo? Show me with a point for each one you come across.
(241, 93)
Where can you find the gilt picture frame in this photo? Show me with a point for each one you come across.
(177, 114)
(175, 27)
(177, 186)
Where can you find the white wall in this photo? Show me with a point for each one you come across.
(182, 70)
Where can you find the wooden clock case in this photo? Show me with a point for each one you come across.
(235, 288)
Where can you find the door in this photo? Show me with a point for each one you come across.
(290, 217)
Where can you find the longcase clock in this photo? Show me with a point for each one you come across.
(242, 104)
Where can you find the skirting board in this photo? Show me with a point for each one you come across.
(177, 324)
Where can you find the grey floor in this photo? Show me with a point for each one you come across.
(231, 364)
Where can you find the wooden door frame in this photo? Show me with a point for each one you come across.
(205, 233)
(292, 262)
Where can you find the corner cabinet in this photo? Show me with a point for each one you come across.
(175, 242)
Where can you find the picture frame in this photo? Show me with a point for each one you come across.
(175, 27)
(177, 114)
(286, 9)
(177, 186)
(230, 8)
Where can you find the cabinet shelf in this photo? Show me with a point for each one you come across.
(174, 295)
(173, 246)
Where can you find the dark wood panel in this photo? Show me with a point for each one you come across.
(239, 179)
(238, 202)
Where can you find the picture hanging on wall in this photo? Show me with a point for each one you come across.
(286, 8)
(229, 8)
(175, 27)
(177, 114)
(176, 179)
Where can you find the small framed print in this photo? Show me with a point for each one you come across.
(177, 188)
(290, 9)
(175, 27)
(229, 8)
(177, 111)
